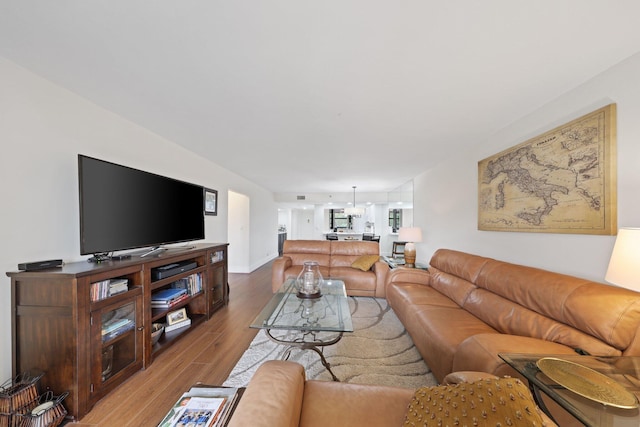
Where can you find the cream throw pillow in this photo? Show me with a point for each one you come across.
(365, 262)
(488, 402)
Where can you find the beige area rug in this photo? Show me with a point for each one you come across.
(379, 351)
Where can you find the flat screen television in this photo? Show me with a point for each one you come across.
(125, 208)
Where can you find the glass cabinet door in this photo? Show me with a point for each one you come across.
(116, 341)
(217, 284)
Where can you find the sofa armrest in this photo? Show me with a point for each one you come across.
(381, 269)
(280, 265)
(329, 403)
(409, 275)
(273, 397)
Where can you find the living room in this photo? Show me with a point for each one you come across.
(46, 125)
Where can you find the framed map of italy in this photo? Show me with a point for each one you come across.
(563, 181)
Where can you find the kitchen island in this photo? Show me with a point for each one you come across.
(344, 235)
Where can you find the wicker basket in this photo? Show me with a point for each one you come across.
(15, 393)
(45, 411)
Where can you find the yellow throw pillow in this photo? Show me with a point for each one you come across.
(488, 402)
(365, 262)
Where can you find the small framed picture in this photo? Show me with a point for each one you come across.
(176, 316)
(210, 202)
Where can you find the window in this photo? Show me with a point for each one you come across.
(338, 220)
(395, 219)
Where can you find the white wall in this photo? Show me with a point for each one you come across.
(445, 198)
(43, 128)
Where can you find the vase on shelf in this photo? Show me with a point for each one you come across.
(309, 280)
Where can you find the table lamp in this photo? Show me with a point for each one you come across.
(410, 235)
(624, 265)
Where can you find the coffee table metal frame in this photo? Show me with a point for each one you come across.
(316, 323)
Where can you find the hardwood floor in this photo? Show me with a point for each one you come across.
(206, 355)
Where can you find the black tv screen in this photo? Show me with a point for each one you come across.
(126, 208)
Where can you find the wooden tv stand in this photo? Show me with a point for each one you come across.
(86, 342)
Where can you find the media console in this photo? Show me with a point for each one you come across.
(88, 326)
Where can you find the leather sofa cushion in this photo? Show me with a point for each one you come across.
(509, 318)
(613, 313)
(306, 247)
(307, 250)
(608, 313)
(479, 352)
(358, 280)
(340, 404)
(295, 270)
(410, 296)
(437, 331)
(344, 253)
(460, 264)
(452, 286)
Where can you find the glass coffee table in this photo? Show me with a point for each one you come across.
(309, 324)
(623, 372)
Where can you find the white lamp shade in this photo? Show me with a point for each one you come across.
(624, 265)
(410, 234)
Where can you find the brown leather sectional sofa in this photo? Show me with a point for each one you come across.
(335, 258)
(469, 308)
(278, 395)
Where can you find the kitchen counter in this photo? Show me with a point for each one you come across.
(345, 235)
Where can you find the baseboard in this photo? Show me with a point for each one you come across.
(252, 267)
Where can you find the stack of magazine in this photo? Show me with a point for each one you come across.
(167, 298)
(203, 406)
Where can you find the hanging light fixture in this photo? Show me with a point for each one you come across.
(353, 211)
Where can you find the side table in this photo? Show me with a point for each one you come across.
(399, 262)
(625, 370)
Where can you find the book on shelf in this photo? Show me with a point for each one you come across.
(165, 296)
(169, 304)
(202, 406)
(192, 283)
(180, 324)
(115, 327)
(107, 288)
(118, 288)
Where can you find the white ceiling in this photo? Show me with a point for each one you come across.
(316, 96)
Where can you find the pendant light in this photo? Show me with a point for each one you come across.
(353, 211)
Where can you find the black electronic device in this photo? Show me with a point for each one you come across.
(169, 270)
(125, 208)
(40, 265)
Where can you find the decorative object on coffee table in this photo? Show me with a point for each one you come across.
(309, 280)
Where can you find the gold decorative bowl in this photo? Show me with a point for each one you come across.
(587, 383)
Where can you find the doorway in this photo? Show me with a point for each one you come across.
(238, 232)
